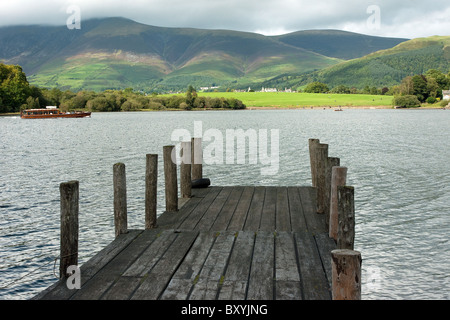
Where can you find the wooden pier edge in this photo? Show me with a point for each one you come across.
(221, 199)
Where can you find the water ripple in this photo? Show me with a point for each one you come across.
(396, 161)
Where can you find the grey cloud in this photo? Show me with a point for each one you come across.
(404, 18)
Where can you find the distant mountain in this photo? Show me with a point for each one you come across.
(117, 53)
(338, 44)
(382, 68)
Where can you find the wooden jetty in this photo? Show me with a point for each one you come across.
(220, 243)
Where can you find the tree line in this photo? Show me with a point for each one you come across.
(421, 88)
(17, 94)
(411, 92)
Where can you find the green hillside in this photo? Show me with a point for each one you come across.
(383, 68)
(117, 53)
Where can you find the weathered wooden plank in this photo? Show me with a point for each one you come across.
(200, 209)
(285, 256)
(283, 218)
(298, 222)
(103, 257)
(269, 210)
(288, 290)
(122, 289)
(156, 280)
(261, 279)
(59, 289)
(240, 213)
(234, 286)
(228, 209)
(255, 210)
(314, 221)
(102, 280)
(314, 283)
(145, 262)
(95, 288)
(214, 210)
(173, 220)
(286, 268)
(200, 192)
(208, 281)
(325, 245)
(182, 281)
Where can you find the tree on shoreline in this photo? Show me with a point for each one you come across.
(14, 88)
(426, 88)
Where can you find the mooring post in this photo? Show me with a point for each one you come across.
(120, 199)
(313, 143)
(346, 217)
(338, 178)
(151, 182)
(170, 177)
(331, 162)
(185, 170)
(69, 193)
(197, 158)
(321, 156)
(346, 274)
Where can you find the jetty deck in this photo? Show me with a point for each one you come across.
(220, 242)
(232, 243)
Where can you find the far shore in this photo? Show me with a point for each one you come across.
(342, 107)
(250, 108)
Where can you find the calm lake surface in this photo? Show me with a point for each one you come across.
(398, 161)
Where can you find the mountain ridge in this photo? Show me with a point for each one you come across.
(113, 53)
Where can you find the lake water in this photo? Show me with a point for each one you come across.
(398, 161)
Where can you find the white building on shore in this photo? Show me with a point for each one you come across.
(445, 94)
(269, 89)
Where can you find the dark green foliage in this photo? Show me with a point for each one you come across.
(408, 101)
(316, 87)
(431, 100)
(425, 87)
(14, 88)
(420, 87)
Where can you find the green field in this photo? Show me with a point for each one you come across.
(292, 100)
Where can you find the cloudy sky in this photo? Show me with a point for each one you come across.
(402, 18)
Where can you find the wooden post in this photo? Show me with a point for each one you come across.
(69, 193)
(120, 199)
(170, 175)
(331, 162)
(321, 156)
(151, 182)
(346, 274)
(338, 178)
(313, 143)
(346, 217)
(185, 170)
(197, 158)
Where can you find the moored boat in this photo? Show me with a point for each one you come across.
(51, 112)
